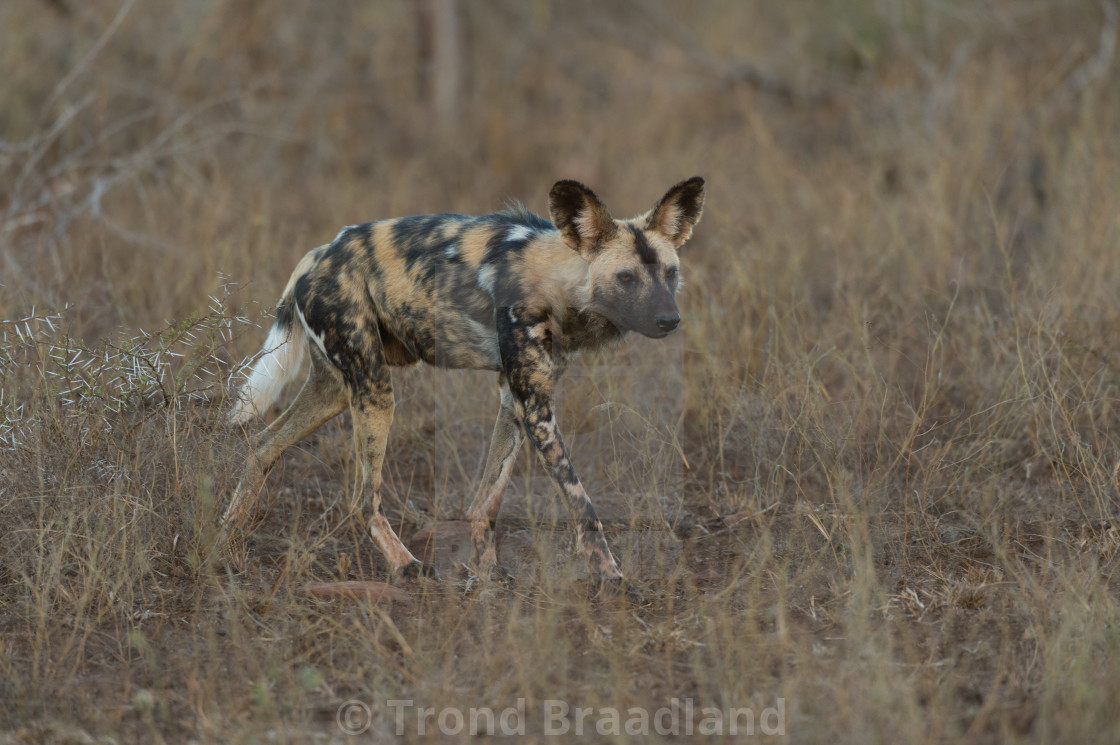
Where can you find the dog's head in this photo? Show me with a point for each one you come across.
(633, 267)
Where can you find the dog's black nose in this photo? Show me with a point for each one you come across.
(668, 323)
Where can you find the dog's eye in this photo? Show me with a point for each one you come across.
(671, 273)
(625, 277)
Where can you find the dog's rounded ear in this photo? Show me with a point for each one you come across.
(678, 211)
(583, 221)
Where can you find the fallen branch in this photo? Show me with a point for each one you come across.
(375, 591)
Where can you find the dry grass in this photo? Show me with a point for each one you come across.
(876, 476)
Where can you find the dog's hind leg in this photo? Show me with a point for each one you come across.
(371, 404)
(321, 399)
(504, 444)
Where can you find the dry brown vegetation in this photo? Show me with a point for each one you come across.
(876, 476)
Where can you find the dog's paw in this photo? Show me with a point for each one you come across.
(617, 587)
(494, 574)
(498, 573)
(416, 570)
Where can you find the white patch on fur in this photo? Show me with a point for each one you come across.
(317, 338)
(342, 232)
(669, 223)
(485, 340)
(451, 252)
(518, 233)
(281, 360)
(548, 441)
(581, 296)
(486, 276)
(586, 226)
(479, 330)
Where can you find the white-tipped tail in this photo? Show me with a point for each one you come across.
(280, 360)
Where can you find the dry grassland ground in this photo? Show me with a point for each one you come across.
(871, 490)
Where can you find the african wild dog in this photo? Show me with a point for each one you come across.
(509, 292)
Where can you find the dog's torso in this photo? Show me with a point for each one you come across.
(442, 288)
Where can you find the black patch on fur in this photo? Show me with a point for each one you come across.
(416, 326)
(416, 238)
(285, 315)
(645, 252)
(568, 201)
(688, 196)
(588, 330)
(502, 254)
(691, 200)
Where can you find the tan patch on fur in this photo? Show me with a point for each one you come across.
(303, 267)
(472, 245)
(553, 274)
(394, 281)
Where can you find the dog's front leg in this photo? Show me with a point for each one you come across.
(526, 340)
